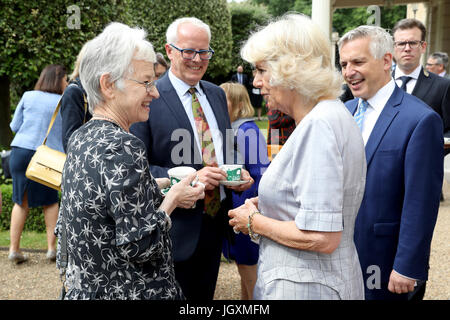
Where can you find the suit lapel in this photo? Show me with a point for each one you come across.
(423, 84)
(352, 106)
(384, 121)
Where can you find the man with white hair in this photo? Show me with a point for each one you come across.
(187, 126)
(404, 153)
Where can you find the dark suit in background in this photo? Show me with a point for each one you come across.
(435, 92)
(244, 80)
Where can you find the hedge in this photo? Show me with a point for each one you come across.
(35, 220)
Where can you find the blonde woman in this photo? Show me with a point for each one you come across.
(252, 152)
(310, 194)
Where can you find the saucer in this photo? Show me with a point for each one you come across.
(232, 183)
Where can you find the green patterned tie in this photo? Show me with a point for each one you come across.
(212, 197)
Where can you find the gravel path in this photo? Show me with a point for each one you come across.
(38, 279)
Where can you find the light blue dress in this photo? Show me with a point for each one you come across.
(317, 180)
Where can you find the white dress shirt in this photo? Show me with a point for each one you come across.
(412, 83)
(186, 99)
(376, 106)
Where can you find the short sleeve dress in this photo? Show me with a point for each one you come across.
(118, 240)
(316, 180)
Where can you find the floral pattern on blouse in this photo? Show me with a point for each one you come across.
(118, 241)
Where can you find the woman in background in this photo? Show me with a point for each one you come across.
(74, 106)
(30, 123)
(161, 66)
(252, 152)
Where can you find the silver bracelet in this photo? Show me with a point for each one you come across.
(253, 236)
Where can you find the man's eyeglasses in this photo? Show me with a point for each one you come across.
(148, 84)
(433, 64)
(189, 54)
(412, 44)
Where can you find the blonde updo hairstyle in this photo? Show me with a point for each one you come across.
(298, 55)
(241, 106)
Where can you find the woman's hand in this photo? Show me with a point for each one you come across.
(163, 183)
(183, 194)
(239, 216)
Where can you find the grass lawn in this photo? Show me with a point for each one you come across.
(263, 125)
(30, 240)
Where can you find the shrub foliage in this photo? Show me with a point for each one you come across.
(35, 220)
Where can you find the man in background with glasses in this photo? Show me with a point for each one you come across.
(409, 45)
(182, 122)
(438, 63)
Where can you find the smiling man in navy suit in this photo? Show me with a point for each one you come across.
(404, 152)
(177, 133)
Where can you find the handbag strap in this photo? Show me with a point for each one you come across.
(55, 113)
(85, 108)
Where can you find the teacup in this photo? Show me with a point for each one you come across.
(179, 173)
(233, 171)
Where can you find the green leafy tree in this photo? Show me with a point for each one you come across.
(34, 34)
(156, 15)
(277, 7)
(359, 16)
(303, 6)
(344, 19)
(245, 18)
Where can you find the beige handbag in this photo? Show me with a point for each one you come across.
(46, 165)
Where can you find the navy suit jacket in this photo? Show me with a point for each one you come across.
(169, 140)
(395, 223)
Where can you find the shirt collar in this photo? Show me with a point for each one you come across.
(182, 87)
(415, 74)
(379, 100)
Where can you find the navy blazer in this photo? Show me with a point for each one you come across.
(74, 112)
(169, 140)
(435, 92)
(395, 223)
(246, 83)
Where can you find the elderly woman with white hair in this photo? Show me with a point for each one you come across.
(310, 194)
(116, 219)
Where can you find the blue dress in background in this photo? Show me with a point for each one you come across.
(252, 152)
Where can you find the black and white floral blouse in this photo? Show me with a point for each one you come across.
(118, 241)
